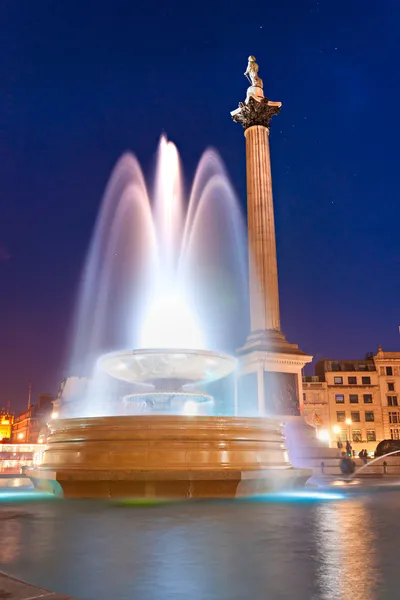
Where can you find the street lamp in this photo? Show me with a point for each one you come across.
(348, 423)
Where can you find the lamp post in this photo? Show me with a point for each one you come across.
(348, 423)
(336, 430)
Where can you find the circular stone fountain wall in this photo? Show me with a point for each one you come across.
(165, 456)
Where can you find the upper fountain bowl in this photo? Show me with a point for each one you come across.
(150, 366)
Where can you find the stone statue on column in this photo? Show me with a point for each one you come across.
(252, 73)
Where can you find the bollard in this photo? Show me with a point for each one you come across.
(384, 467)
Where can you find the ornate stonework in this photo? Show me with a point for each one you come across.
(256, 112)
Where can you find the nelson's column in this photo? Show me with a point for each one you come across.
(269, 380)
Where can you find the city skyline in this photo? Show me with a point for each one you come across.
(69, 111)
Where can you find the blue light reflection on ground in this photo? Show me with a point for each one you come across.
(297, 496)
(29, 495)
(26, 494)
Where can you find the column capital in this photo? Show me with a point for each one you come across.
(256, 112)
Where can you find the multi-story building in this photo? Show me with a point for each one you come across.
(354, 400)
(28, 425)
(6, 423)
(388, 369)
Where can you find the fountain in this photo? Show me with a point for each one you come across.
(163, 302)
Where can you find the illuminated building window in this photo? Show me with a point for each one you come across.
(389, 371)
(352, 380)
(392, 401)
(339, 398)
(355, 416)
(367, 398)
(340, 416)
(390, 386)
(369, 415)
(394, 434)
(371, 435)
(353, 398)
(394, 417)
(338, 380)
(357, 437)
(343, 435)
(366, 380)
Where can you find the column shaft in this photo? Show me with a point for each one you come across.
(264, 294)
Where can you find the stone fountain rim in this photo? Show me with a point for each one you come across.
(128, 420)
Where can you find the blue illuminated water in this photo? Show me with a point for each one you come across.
(306, 547)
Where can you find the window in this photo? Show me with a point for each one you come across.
(352, 380)
(357, 437)
(367, 398)
(390, 386)
(366, 380)
(343, 435)
(394, 434)
(339, 398)
(392, 401)
(394, 417)
(338, 380)
(389, 371)
(371, 435)
(340, 416)
(369, 415)
(353, 398)
(355, 416)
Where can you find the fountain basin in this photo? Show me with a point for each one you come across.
(167, 367)
(165, 456)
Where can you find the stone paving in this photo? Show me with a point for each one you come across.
(13, 589)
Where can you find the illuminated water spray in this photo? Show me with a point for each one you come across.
(163, 272)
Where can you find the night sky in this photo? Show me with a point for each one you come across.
(82, 81)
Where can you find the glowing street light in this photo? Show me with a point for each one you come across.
(348, 423)
(323, 435)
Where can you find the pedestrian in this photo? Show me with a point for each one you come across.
(346, 465)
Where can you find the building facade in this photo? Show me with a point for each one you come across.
(355, 400)
(388, 369)
(6, 423)
(29, 425)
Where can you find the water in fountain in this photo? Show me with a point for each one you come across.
(163, 271)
